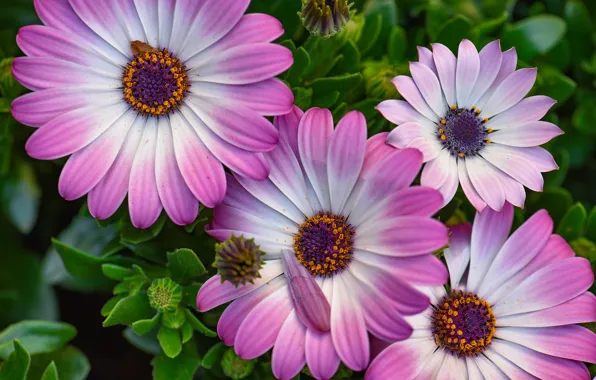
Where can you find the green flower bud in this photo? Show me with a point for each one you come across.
(234, 367)
(238, 260)
(324, 18)
(378, 76)
(584, 248)
(352, 31)
(164, 295)
(9, 87)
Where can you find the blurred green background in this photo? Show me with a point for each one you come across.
(70, 278)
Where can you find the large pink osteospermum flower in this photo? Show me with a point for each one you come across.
(338, 214)
(468, 116)
(150, 97)
(511, 312)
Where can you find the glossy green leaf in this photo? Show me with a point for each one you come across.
(77, 262)
(185, 265)
(214, 355)
(189, 295)
(535, 35)
(169, 340)
(198, 325)
(71, 364)
(116, 272)
(590, 232)
(370, 33)
(135, 235)
(557, 177)
(129, 309)
(301, 62)
(488, 27)
(326, 99)
(398, 42)
(17, 364)
(585, 114)
(341, 84)
(302, 97)
(437, 14)
(556, 201)
(187, 332)
(143, 326)
(146, 343)
(182, 367)
(579, 29)
(51, 372)
(174, 319)
(36, 336)
(572, 225)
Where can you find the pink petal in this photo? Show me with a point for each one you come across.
(466, 75)
(259, 330)
(236, 124)
(314, 136)
(105, 198)
(72, 131)
(429, 86)
(548, 287)
(485, 180)
(348, 327)
(580, 309)
(510, 92)
(269, 97)
(436, 172)
(489, 233)
(490, 63)
(450, 186)
(321, 356)
(457, 255)
(469, 190)
(408, 89)
(508, 65)
(403, 135)
(539, 157)
(310, 304)
(527, 135)
(489, 369)
(202, 172)
(567, 342)
(402, 360)
(178, 201)
(287, 125)
(42, 73)
(446, 64)
(517, 165)
(38, 108)
(236, 312)
(523, 245)
(540, 365)
(244, 64)
(505, 366)
(143, 196)
(425, 56)
(289, 350)
(529, 109)
(401, 112)
(86, 167)
(345, 158)
(214, 293)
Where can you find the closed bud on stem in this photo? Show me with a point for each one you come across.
(325, 18)
(164, 295)
(238, 260)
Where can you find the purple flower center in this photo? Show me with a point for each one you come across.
(463, 132)
(155, 82)
(323, 244)
(463, 324)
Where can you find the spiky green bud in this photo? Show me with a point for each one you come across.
(164, 295)
(238, 260)
(378, 76)
(234, 367)
(325, 18)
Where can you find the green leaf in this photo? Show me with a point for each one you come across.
(584, 115)
(301, 62)
(182, 367)
(488, 27)
(135, 236)
(214, 355)
(71, 364)
(187, 332)
(143, 326)
(51, 372)
(198, 325)
(147, 343)
(556, 200)
(437, 15)
(454, 31)
(579, 30)
(36, 336)
(341, 84)
(77, 262)
(398, 42)
(174, 319)
(557, 177)
(551, 82)
(169, 340)
(370, 33)
(129, 309)
(189, 295)
(535, 35)
(590, 232)
(109, 306)
(302, 97)
(185, 265)
(20, 194)
(17, 364)
(116, 272)
(325, 100)
(572, 225)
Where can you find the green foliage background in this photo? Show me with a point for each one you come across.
(49, 244)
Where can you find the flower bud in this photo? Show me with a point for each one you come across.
(238, 260)
(324, 18)
(164, 295)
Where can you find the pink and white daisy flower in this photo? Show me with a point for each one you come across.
(512, 311)
(468, 116)
(149, 98)
(346, 238)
